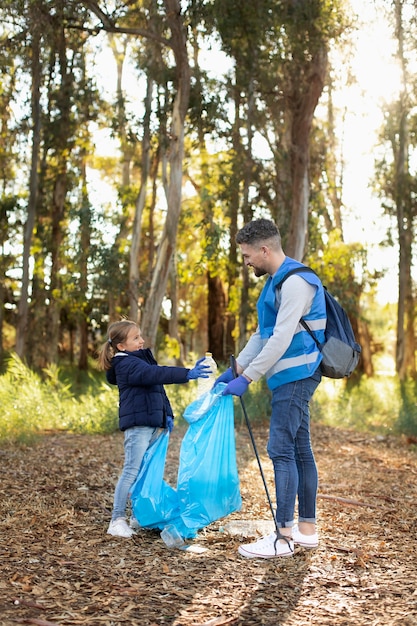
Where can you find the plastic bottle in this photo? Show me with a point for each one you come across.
(172, 538)
(205, 384)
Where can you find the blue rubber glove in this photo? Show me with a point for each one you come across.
(226, 377)
(237, 386)
(170, 423)
(199, 370)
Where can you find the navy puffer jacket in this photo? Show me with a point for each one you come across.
(142, 397)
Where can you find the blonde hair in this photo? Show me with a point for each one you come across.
(117, 333)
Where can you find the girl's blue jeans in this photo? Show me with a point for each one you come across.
(136, 441)
(289, 448)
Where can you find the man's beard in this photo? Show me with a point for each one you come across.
(259, 271)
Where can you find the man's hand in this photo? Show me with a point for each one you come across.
(237, 386)
(226, 377)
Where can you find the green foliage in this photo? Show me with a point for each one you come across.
(377, 405)
(257, 404)
(342, 268)
(407, 419)
(32, 404)
(372, 405)
(80, 249)
(170, 348)
(180, 396)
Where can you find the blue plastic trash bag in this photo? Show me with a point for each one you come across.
(154, 502)
(208, 482)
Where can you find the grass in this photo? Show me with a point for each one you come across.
(373, 405)
(65, 399)
(32, 403)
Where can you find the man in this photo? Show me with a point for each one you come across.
(287, 355)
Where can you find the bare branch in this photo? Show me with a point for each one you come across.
(103, 17)
(109, 26)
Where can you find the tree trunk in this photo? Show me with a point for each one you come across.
(366, 365)
(168, 241)
(125, 146)
(119, 45)
(216, 317)
(61, 141)
(405, 349)
(335, 187)
(23, 309)
(303, 102)
(2, 300)
(244, 306)
(85, 244)
(55, 295)
(139, 207)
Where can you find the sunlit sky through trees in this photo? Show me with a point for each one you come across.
(377, 77)
(366, 75)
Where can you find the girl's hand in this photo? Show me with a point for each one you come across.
(199, 370)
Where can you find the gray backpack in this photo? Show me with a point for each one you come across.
(340, 350)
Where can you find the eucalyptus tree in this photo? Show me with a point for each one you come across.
(396, 179)
(180, 105)
(210, 173)
(30, 24)
(23, 25)
(65, 86)
(10, 196)
(240, 27)
(174, 37)
(133, 195)
(51, 127)
(279, 50)
(153, 66)
(123, 128)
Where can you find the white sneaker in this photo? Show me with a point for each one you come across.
(306, 541)
(267, 547)
(119, 528)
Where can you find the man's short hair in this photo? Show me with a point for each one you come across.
(259, 230)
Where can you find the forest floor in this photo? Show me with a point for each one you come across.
(59, 567)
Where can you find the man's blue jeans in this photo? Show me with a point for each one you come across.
(136, 441)
(289, 448)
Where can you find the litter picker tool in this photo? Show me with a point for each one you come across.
(252, 438)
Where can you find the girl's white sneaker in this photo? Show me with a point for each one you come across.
(120, 528)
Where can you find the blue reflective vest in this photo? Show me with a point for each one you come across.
(302, 357)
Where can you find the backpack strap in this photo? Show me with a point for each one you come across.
(310, 332)
(298, 270)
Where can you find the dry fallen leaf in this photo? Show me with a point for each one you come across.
(59, 567)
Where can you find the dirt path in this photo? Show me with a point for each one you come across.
(58, 566)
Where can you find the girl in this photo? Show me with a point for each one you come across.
(143, 405)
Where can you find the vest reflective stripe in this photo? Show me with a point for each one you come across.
(319, 324)
(294, 361)
(292, 372)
